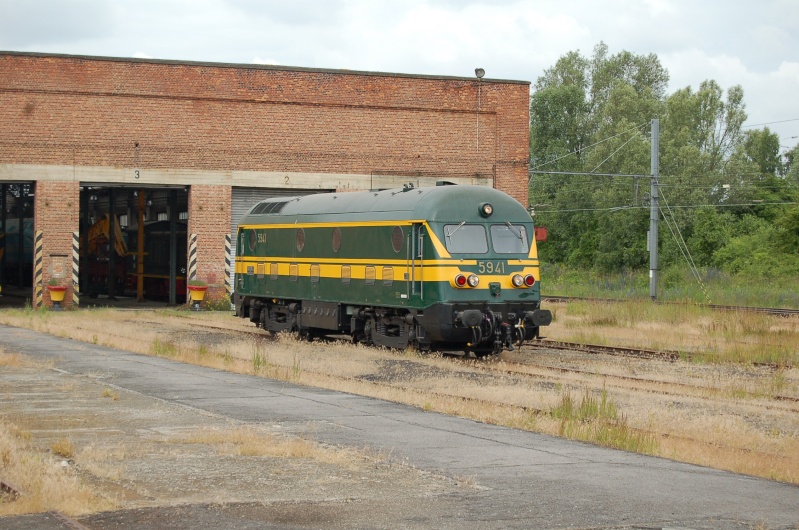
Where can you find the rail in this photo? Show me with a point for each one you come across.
(777, 311)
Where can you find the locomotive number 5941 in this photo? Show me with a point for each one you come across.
(491, 267)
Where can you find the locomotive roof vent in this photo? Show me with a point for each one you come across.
(445, 183)
(269, 207)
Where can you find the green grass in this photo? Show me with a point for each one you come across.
(675, 284)
(260, 361)
(164, 348)
(633, 312)
(596, 420)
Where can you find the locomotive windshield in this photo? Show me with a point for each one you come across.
(466, 239)
(509, 239)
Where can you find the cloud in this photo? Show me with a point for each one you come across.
(258, 60)
(292, 13)
(769, 96)
(28, 24)
(732, 41)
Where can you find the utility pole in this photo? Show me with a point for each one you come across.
(654, 211)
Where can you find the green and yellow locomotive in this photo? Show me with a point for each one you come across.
(444, 267)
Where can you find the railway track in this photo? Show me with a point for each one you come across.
(609, 350)
(630, 382)
(776, 311)
(553, 373)
(644, 384)
(543, 412)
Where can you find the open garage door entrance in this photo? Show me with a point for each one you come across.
(16, 241)
(133, 244)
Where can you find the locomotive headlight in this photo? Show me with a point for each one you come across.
(517, 280)
(463, 281)
(486, 209)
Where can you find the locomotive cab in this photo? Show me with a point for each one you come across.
(491, 298)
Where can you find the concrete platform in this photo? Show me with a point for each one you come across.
(527, 480)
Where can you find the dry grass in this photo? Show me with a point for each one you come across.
(728, 423)
(703, 334)
(44, 482)
(16, 360)
(63, 447)
(251, 442)
(11, 359)
(103, 462)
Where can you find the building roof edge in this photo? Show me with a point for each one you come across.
(257, 67)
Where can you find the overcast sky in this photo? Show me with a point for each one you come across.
(754, 43)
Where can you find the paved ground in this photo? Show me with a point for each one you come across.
(520, 479)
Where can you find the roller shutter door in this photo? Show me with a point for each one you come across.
(244, 199)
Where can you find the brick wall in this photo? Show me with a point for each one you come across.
(68, 111)
(89, 112)
(56, 215)
(209, 219)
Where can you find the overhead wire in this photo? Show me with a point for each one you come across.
(768, 123)
(681, 244)
(578, 150)
(630, 139)
(542, 208)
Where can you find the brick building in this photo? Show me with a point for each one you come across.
(94, 150)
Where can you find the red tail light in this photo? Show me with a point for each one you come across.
(467, 281)
(529, 280)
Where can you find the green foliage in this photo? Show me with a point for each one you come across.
(787, 231)
(711, 232)
(747, 255)
(727, 194)
(762, 148)
(219, 302)
(569, 281)
(791, 167)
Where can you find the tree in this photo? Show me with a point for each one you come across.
(787, 238)
(762, 148)
(575, 103)
(791, 166)
(723, 189)
(711, 232)
(558, 113)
